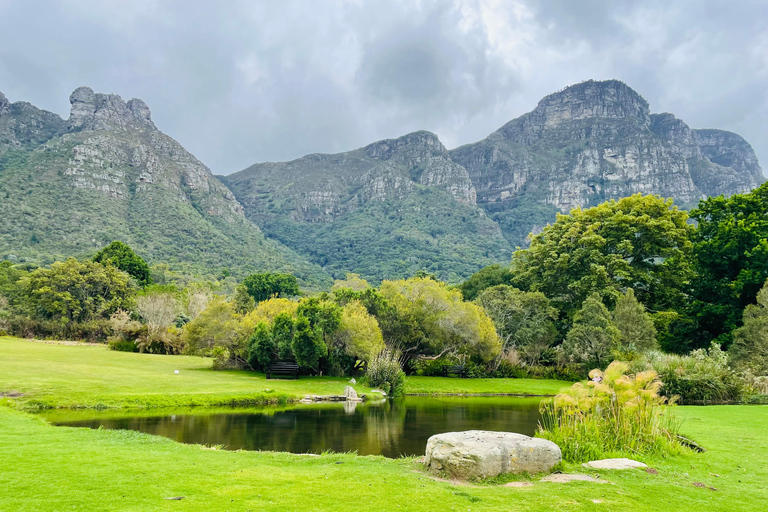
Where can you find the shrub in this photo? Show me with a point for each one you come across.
(385, 372)
(703, 376)
(262, 350)
(614, 413)
(308, 345)
(593, 337)
(430, 367)
(749, 350)
(637, 334)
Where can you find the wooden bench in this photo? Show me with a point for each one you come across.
(283, 368)
(454, 369)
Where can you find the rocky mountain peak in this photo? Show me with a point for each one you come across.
(609, 99)
(421, 141)
(5, 105)
(96, 111)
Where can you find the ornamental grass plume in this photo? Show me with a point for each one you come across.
(614, 413)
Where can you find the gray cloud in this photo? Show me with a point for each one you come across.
(240, 81)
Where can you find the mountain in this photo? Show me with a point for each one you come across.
(107, 173)
(595, 141)
(384, 211)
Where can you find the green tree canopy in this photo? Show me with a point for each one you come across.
(264, 286)
(524, 321)
(593, 337)
(492, 275)
(308, 345)
(750, 342)
(639, 241)
(439, 321)
(730, 254)
(637, 334)
(74, 291)
(262, 350)
(121, 256)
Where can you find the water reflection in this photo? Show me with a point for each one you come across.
(389, 428)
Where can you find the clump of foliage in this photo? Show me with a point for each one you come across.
(262, 349)
(592, 340)
(386, 372)
(730, 254)
(438, 321)
(352, 282)
(486, 277)
(637, 333)
(74, 291)
(525, 321)
(701, 377)
(638, 241)
(612, 414)
(308, 345)
(749, 350)
(125, 332)
(264, 286)
(159, 309)
(121, 256)
(216, 326)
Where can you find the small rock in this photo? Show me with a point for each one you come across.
(564, 478)
(651, 471)
(518, 484)
(352, 381)
(350, 393)
(614, 464)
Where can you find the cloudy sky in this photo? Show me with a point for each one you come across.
(239, 82)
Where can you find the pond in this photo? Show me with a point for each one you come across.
(388, 427)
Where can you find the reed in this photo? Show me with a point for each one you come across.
(613, 414)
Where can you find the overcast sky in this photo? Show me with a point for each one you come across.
(239, 82)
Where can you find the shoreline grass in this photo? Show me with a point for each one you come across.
(46, 375)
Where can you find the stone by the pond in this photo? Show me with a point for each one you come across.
(351, 394)
(352, 381)
(485, 454)
(614, 464)
(564, 478)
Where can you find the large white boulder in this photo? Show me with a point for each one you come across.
(485, 454)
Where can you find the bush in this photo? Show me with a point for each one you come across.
(122, 345)
(430, 367)
(701, 377)
(613, 414)
(262, 350)
(385, 372)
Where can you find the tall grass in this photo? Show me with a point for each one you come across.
(612, 414)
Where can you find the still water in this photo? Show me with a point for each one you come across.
(388, 427)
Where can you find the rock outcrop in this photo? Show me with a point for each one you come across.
(109, 174)
(595, 141)
(478, 454)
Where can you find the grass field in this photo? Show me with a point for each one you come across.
(46, 468)
(51, 375)
(59, 468)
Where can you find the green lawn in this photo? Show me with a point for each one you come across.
(59, 468)
(51, 375)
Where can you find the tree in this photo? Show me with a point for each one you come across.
(438, 321)
(262, 350)
(730, 254)
(525, 321)
(749, 350)
(268, 310)
(244, 303)
(282, 334)
(74, 291)
(217, 326)
(638, 241)
(353, 282)
(121, 256)
(263, 286)
(637, 333)
(308, 345)
(593, 337)
(359, 335)
(158, 309)
(484, 278)
(324, 315)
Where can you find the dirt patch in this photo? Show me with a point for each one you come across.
(67, 342)
(11, 394)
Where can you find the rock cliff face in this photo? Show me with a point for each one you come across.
(386, 210)
(595, 141)
(108, 173)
